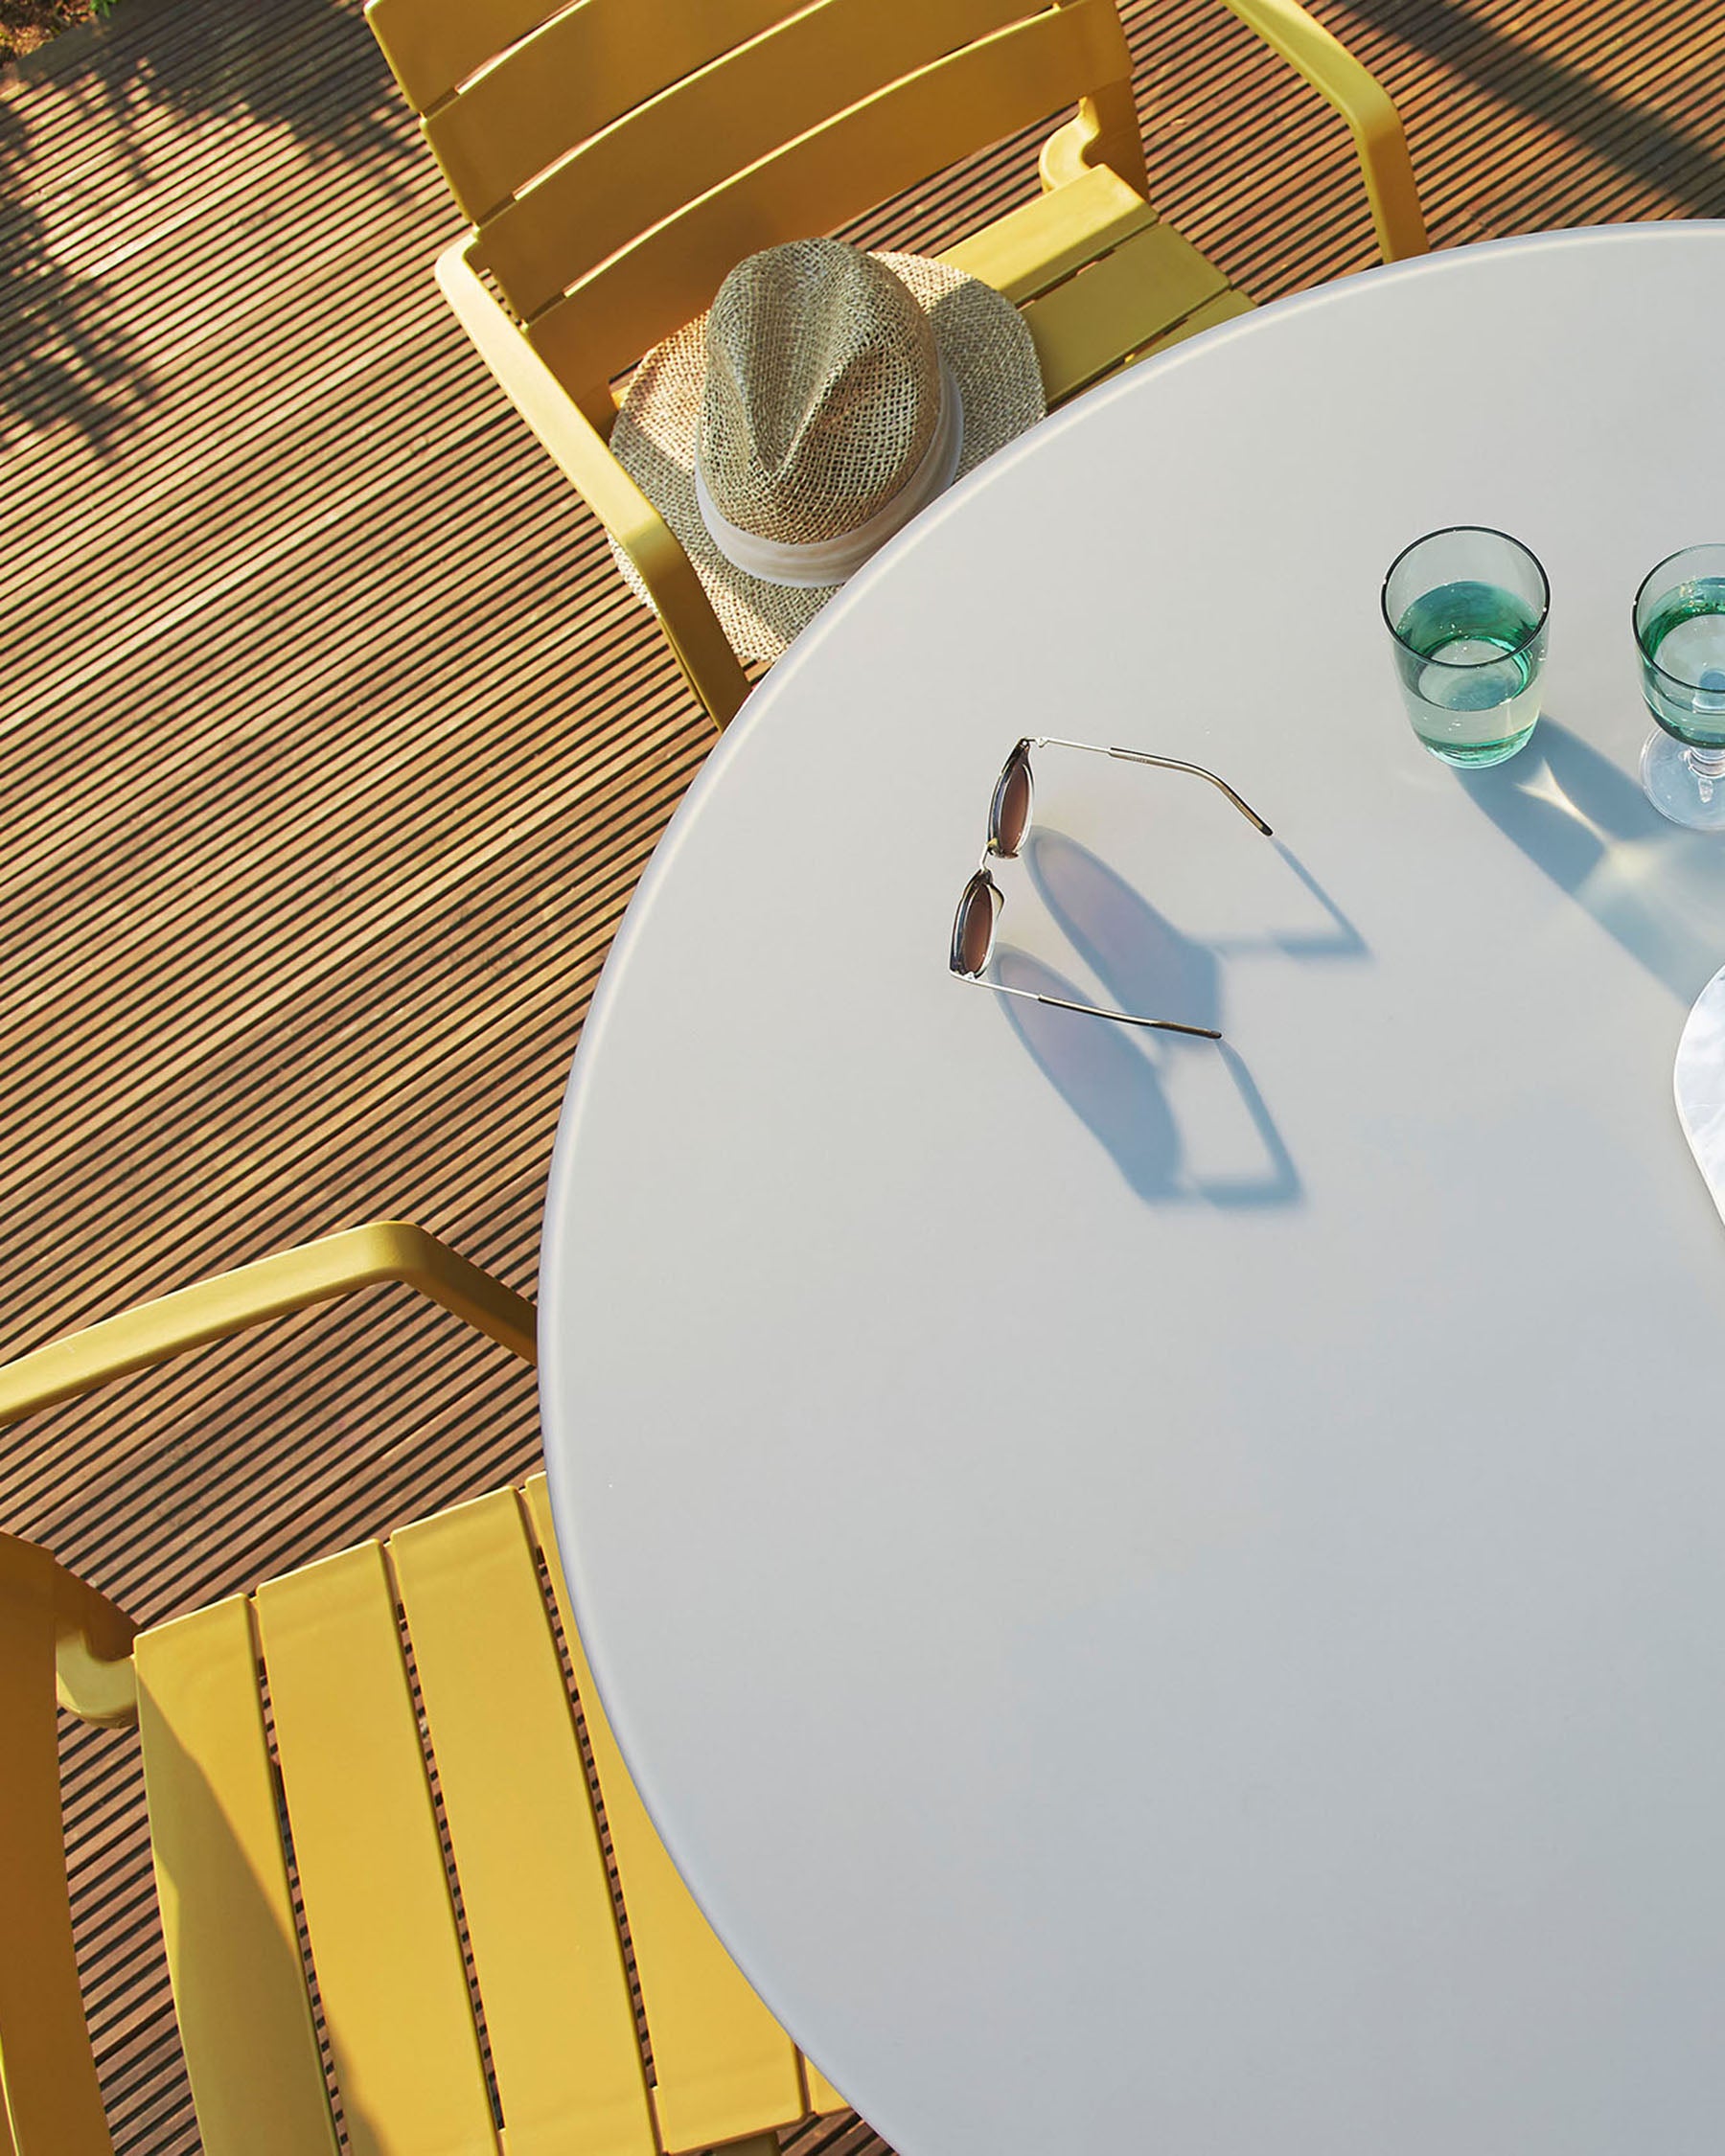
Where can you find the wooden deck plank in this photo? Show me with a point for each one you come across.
(334, 747)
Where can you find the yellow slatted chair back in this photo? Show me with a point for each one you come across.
(380, 1790)
(619, 156)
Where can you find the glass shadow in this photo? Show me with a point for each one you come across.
(1635, 136)
(1564, 804)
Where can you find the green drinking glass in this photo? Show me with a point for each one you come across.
(1680, 634)
(1466, 610)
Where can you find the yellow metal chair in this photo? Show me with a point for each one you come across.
(283, 1753)
(617, 157)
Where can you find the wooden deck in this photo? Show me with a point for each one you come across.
(334, 746)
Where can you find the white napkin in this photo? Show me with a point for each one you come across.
(1699, 1083)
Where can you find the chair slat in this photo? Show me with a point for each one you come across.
(221, 1877)
(52, 2103)
(1226, 306)
(579, 73)
(539, 1917)
(431, 45)
(1097, 319)
(823, 2095)
(378, 1908)
(872, 150)
(1036, 245)
(677, 133)
(723, 2066)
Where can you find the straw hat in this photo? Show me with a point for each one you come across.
(825, 397)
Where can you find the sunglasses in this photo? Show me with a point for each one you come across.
(1008, 821)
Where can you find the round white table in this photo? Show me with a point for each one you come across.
(1165, 1596)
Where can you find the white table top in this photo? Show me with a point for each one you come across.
(1158, 1597)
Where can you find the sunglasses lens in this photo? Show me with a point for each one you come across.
(972, 931)
(1009, 819)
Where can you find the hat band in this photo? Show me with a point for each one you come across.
(813, 563)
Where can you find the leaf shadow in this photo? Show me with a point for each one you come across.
(71, 354)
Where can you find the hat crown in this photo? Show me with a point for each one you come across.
(822, 395)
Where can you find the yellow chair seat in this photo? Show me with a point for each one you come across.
(1100, 280)
(380, 1794)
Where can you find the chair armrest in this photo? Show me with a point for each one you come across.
(385, 1249)
(580, 450)
(92, 1638)
(1104, 130)
(1362, 101)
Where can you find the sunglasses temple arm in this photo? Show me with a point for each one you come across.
(1093, 1010)
(1162, 763)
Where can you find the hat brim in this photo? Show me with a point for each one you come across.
(984, 340)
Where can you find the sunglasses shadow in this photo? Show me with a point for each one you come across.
(1127, 941)
(1148, 965)
(1113, 1082)
(1140, 956)
(1342, 940)
(1099, 1072)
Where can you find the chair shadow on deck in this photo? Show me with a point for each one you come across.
(1623, 131)
(69, 354)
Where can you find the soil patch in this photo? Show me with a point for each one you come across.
(26, 24)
